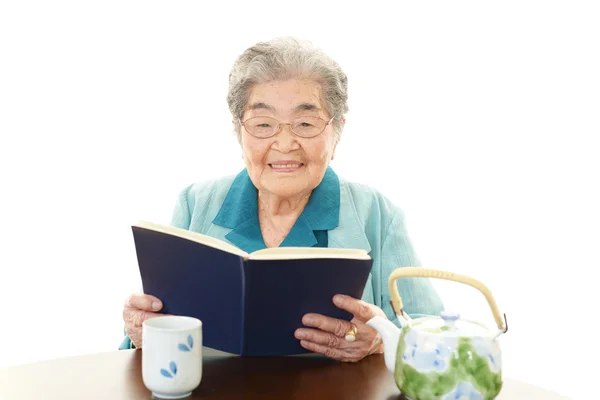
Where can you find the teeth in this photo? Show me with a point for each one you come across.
(286, 165)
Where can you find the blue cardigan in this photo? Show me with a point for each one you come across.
(339, 214)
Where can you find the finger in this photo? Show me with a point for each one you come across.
(358, 308)
(328, 351)
(136, 317)
(135, 336)
(134, 322)
(320, 337)
(140, 317)
(143, 302)
(338, 327)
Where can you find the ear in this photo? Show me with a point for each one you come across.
(333, 151)
(343, 121)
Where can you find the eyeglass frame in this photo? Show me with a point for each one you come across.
(280, 126)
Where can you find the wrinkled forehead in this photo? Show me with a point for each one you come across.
(259, 105)
(285, 97)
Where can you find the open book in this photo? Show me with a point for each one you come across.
(249, 303)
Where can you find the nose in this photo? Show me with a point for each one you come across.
(285, 140)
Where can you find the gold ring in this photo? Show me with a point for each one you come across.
(351, 334)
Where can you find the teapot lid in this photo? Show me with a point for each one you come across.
(450, 324)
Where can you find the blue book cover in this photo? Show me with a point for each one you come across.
(249, 304)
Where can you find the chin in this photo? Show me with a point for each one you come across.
(285, 189)
(286, 193)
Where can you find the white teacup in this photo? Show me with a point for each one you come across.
(172, 355)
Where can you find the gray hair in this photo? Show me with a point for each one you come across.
(281, 59)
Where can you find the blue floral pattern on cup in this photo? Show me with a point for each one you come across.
(172, 365)
(189, 346)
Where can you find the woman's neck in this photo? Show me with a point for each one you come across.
(278, 215)
(271, 205)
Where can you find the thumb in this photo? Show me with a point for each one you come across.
(358, 308)
(144, 302)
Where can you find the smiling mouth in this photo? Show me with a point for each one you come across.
(289, 167)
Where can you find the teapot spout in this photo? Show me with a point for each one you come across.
(390, 334)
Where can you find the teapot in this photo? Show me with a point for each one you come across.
(441, 357)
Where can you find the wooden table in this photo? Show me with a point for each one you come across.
(118, 376)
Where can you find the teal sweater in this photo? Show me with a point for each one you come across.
(339, 214)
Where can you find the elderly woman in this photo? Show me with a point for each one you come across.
(288, 101)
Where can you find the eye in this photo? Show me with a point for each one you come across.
(305, 124)
(263, 125)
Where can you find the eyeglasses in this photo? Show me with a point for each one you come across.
(266, 127)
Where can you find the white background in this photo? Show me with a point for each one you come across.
(479, 120)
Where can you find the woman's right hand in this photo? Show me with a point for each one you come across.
(138, 308)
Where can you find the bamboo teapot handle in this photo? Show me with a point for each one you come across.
(418, 272)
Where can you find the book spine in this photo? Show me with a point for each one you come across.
(243, 307)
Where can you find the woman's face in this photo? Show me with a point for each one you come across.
(287, 165)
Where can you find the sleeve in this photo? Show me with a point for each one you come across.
(126, 344)
(180, 219)
(419, 297)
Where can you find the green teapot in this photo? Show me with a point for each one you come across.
(441, 357)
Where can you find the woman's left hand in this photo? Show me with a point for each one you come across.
(329, 334)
